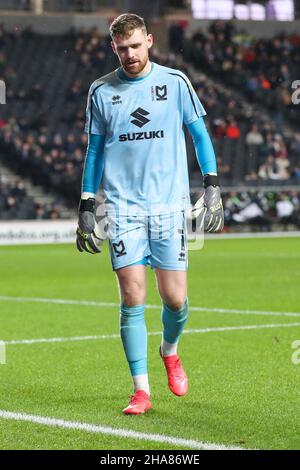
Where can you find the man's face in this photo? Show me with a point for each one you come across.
(133, 51)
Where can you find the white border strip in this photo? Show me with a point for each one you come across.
(153, 333)
(122, 433)
(91, 303)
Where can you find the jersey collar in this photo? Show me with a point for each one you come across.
(122, 75)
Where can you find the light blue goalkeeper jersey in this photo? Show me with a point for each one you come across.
(145, 161)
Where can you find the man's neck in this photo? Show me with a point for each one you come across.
(142, 73)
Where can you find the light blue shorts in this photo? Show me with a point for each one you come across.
(157, 240)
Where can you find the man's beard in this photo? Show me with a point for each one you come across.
(136, 68)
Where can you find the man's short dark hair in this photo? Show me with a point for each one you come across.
(125, 24)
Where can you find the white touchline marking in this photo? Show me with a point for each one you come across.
(61, 340)
(123, 433)
(244, 312)
(92, 303)
(151, 333)
(89, 303)
(230, 236)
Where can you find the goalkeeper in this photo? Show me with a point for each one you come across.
(134, 120)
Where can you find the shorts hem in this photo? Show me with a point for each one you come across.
(169, 267)
(129, 263)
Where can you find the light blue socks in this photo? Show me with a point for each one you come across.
(173, 322)
(134, 338)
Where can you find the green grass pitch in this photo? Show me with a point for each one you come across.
(244, 387)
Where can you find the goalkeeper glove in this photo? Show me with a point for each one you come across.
(209, 206)
(89, 236)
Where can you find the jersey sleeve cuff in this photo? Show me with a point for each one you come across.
(86, 195)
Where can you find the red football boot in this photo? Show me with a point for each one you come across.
(139, 403)
(177, 378)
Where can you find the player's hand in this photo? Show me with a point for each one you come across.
(214, 217)
(89, 237)
(209, 207)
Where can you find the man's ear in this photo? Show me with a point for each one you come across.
(149, 40)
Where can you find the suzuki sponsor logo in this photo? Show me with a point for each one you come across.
(139, 115)
(140, 120)
(142, 135)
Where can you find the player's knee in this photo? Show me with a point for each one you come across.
(175, 303)
(133, 294)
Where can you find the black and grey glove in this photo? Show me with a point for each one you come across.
(209, 207)
(89, 236)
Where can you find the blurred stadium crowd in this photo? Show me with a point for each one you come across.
(16, 204)
(259, 73)
(243, 83)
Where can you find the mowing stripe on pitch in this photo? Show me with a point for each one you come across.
(92, 303)
(123, 433)
(151, 333)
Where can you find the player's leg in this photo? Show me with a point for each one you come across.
(172, 287)
(132, 285)
(128, 249)
(169, 258)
